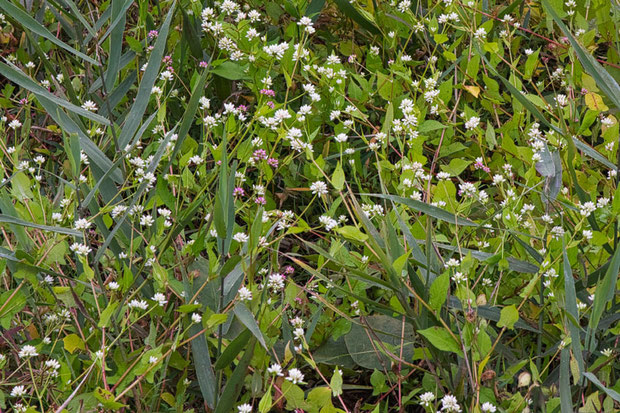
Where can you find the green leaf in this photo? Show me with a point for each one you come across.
(442, 339)
(29, 23)
(106, 314)
(264, 406)
(508, 317)
(230, 70)
(12, 302)
(73, 342)
(431, 125)
(367, 344)
(336, 382)
(439, 291)
(106, 398)
(294, 396)
(338, 178)
(352, 233)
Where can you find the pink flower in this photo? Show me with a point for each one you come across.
(260, 200)
(203, 64)
(238, 191)
(273, 162)
(259, 154)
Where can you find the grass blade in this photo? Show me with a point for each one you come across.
(116, 41)
(603, 79)
(29, 23)
(136, 112)
(427, 209)
(571, 309)
(592, 153)
(351, 12)
(136, 196)
(234, 385)
(245, 316)
(15, 75)
(604, 293)
(610, 392)
(6, 219)
(566, 400)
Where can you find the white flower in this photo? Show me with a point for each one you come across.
(498, 179)
(244, 408)
(196, 318)
(245, 294)
(52, 364)
(587, 208)
(80, 249)
(82, 224)
(160, 298)
(472, 123)
(427, 398)
(118, 210)
(561, 100)
(113, 285)
(90, 106)
(140, 304)
(341, 137)
(166, 75)
(195, 160)
(275, 369)
(241, 237)
(488, 407)
(587, 234)
(146, 220)
(458, 277)
(319, 188)
(49, 279)
(295, 376)
(328, 222)
(275, 282)
(528, 52)
(404, 5)
(298, 333)
(608, 352)
(453, 262)
(480, 34)
(14, 124)
(450, 404)
(18, 391)
(306, 22)
(28, 351)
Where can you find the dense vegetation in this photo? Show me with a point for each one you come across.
(320, 206)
